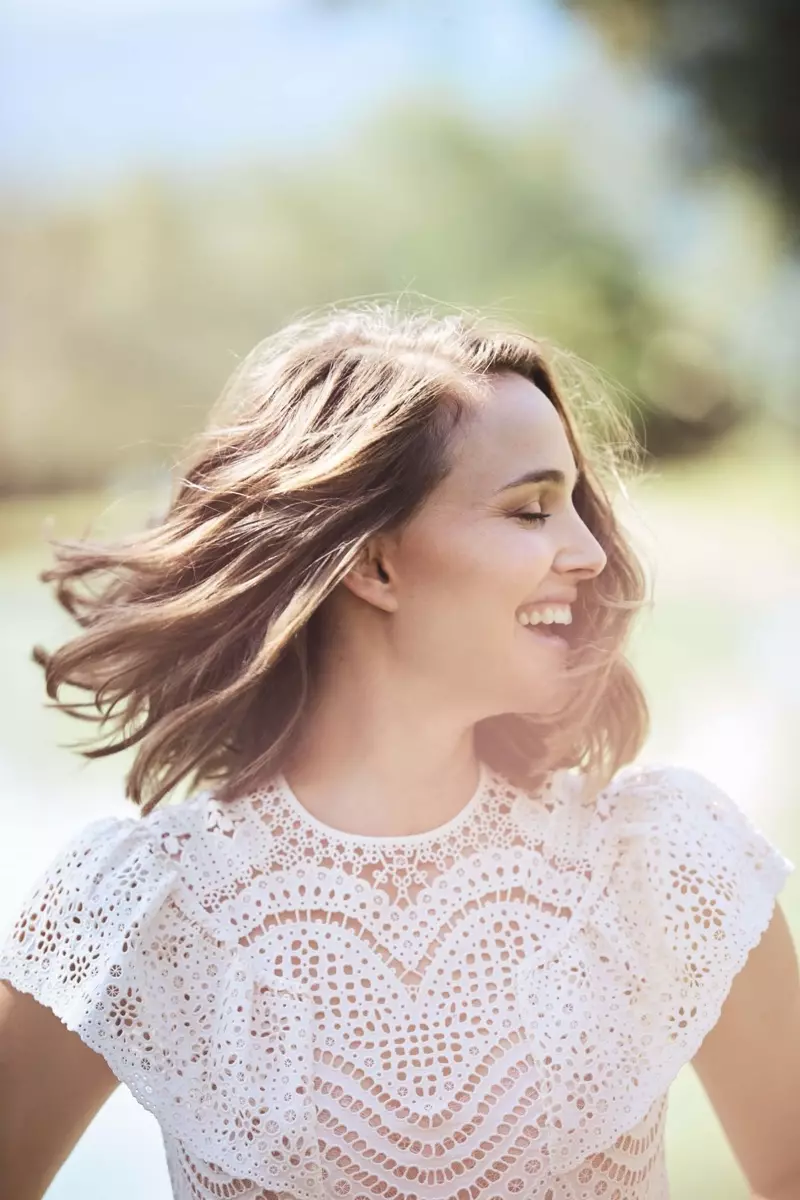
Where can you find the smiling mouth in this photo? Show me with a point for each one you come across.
(551, 635)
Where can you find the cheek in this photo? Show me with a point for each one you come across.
(514, 561)
(475, 578)
(443, 605)
(531, 553)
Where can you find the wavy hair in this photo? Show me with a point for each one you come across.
(199, 639)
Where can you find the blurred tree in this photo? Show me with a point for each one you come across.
(739, 59)
(126, 315)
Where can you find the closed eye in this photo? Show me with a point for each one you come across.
(533, 518)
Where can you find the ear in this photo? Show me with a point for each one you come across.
(371, 578)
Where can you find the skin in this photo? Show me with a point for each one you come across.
(51, 1085)
(416, 654)
(414, 659)
(749, 1066)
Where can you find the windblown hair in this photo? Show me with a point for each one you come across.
(199, 634)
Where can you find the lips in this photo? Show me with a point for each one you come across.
(555, 640)
(566, 598)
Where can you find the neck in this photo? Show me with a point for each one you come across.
(379, 765)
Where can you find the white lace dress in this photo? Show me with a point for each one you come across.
(492, 1009)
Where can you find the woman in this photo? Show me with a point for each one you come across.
(419, 928)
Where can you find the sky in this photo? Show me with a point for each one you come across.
(89, 89)
(93, 91)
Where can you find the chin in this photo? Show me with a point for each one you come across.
(548, 697)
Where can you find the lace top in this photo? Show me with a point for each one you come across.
(495, 1008)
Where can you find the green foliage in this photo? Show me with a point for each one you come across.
(738, 59)
(127, 315)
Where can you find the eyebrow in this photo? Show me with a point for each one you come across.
(546, 475)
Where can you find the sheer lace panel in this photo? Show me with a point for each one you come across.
(632, 1169)
(492, 1009)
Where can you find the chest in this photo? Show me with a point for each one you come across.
(409, 931)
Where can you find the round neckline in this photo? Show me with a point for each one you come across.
(380, 839)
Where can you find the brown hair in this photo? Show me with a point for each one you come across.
(198, 641)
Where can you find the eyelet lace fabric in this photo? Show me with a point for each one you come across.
(490, 1010)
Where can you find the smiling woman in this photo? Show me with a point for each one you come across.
(343, 449)
(420, 930)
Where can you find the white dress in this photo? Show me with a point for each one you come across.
(495, 1008)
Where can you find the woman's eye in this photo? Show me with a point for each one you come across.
(534, 518)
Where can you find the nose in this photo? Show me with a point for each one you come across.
(582, 555)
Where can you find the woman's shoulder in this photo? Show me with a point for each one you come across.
(692, 878)
(670, 855)
(116, 872)
(661, 816)
(191, 840)
(671, 806)
(682, 885)
(133, 937)
(656, 831)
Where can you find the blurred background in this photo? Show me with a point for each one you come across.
(180, 177)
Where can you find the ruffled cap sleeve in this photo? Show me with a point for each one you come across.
(703, 872)
(220, 1055)
(683, 887)
(78, 929)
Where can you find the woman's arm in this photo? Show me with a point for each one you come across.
(51, 1085)
(749, 1066)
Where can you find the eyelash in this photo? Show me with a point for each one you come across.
(533, 518)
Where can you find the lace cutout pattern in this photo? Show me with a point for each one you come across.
(492, 1009)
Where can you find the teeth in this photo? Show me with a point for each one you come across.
(555, 615)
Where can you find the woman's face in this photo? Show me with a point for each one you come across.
(471, 560)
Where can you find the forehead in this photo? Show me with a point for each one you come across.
(513, 429)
